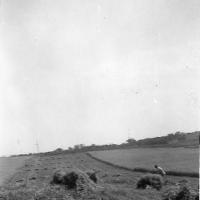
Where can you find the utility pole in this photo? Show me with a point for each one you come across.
(18, 142)
(37, 146)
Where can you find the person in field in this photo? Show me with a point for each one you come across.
(160, 170)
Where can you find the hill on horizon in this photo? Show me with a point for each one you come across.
(178, 138)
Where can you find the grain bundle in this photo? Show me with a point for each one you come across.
(92, 175)
(58, 177)
(180, 192)
(152, 180)
(74, 179)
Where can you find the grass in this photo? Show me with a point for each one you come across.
(171, 159)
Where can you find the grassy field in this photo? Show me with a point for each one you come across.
(176, 159)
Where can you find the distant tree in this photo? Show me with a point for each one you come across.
(76, 147)
(81, 146)
(59, 150)
(170, 136)
(131, 141)
(178, 133)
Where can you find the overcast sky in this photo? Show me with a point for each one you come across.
(96, 71)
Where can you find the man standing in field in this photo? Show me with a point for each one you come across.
(160, 170)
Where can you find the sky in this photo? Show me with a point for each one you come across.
(96, 71)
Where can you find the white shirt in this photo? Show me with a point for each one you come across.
(161, 171)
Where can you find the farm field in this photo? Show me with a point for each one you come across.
(32, 181)
(175, 159)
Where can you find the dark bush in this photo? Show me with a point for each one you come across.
(152, 180)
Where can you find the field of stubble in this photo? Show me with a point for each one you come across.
(32, 181)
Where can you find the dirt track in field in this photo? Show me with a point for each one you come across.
(9, 165)
(114, 183)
